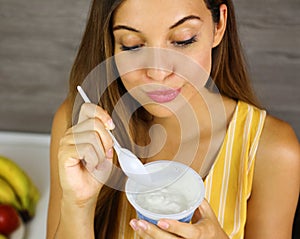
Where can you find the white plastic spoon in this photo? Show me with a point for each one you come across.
(129, 163)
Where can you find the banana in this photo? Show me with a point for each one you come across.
(24, 188)
(8, 196)
(17, 178)
(34, 198)
(2, 236)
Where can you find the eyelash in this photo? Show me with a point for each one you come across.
(186, 42)
(175, 43)
(131, 48)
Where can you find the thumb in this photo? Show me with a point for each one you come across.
(204, 211)
(197, 216)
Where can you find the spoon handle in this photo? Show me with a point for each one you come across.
(83, 95)
(86, 99)
(117, 146)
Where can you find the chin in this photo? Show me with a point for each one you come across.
(159, 111)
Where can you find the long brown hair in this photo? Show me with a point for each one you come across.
(229, 70)
(229, 73)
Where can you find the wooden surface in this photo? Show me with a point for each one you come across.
(39, 39)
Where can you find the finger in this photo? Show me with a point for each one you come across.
(68, 156)
(197, 216)
(71, 165)
(89, 110)
(206, 211)
(90, 137)
(87, 154)
(88, 124)
(98, 135)
(206, 225)
(103, 170)
(73, 157)
(76, 155)
(182, 229)
(147, 230)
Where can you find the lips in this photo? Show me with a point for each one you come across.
(163, 96)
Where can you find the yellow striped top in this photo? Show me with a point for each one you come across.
(229, 181)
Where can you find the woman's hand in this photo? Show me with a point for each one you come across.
(205, 226)
(87, 145)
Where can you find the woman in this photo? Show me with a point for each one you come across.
(252, 182)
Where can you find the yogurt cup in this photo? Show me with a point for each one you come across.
(177, 200)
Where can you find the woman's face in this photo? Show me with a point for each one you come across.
(177, 26)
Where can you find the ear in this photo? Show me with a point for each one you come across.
(220, 27)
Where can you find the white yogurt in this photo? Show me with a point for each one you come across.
(164, 201)
(176, 201)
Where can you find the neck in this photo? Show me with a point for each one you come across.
(188, 122)
(189, 136)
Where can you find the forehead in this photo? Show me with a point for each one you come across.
(151, 12)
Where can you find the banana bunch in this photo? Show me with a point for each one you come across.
(17, 189)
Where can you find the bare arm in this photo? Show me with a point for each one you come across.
(74, 191)
(276, 183)
(60, 213)
(59, 127)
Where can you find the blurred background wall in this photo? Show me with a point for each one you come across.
(39, 40)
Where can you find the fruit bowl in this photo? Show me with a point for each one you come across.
(31, 153)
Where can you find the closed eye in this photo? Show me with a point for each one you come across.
(131, 48)
(185, 42)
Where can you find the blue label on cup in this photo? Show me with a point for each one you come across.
(142, 217)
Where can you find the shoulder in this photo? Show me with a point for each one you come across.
(278, 143)
(62, 116)
(276, 182)
(278, 152)
(277, 160)
(61, 122)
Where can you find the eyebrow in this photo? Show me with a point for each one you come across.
(120, 27)
(181, 21)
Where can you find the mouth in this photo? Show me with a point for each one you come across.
(163, 96)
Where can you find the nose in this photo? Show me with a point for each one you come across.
(159, 66)
(158, 74)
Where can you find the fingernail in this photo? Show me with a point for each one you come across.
(163, 225)
(143, 225)
(133, 224)
(110, 124)
(110, 153)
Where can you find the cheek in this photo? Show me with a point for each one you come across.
(203, 58)
(127, 81)
(132, 79)
(204, 61)
(203, 54)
